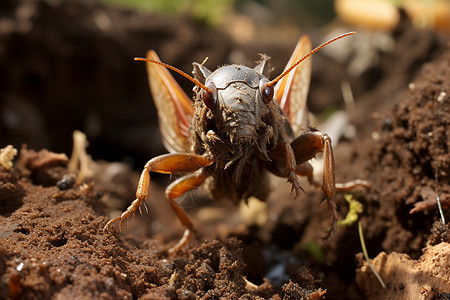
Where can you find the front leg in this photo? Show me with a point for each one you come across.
(176, 163)
(282, 163)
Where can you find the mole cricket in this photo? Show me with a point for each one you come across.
(238, 127)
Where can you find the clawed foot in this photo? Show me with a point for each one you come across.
(136, 204)
(295, 184)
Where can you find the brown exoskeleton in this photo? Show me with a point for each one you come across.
(238, 127)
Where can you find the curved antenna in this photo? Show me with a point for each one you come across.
(195, 81)
(279, 77)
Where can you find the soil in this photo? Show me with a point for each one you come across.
(65, 68)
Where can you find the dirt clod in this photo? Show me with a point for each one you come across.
(406, 278)
(439, 233)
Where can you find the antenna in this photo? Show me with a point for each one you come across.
(195, 81)
(279, 77)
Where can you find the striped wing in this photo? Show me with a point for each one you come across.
(175, 108)
(291, 91)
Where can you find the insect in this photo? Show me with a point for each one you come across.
(238, 127)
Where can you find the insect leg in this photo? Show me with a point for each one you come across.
(176, 189)
(306, 170)
(175, 163)
(349, 185)
(282, 163)
(305, 147)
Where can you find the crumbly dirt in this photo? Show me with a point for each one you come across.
(405, 278)
(52, 245)
(412, 152)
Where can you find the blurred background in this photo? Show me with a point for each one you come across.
(67, 65)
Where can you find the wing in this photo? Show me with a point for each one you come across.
(291, 92)
(175, 108)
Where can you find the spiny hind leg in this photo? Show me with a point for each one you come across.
(305, 147)
(175, 163)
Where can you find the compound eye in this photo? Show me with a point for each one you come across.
(265, 90)
(210, 99)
